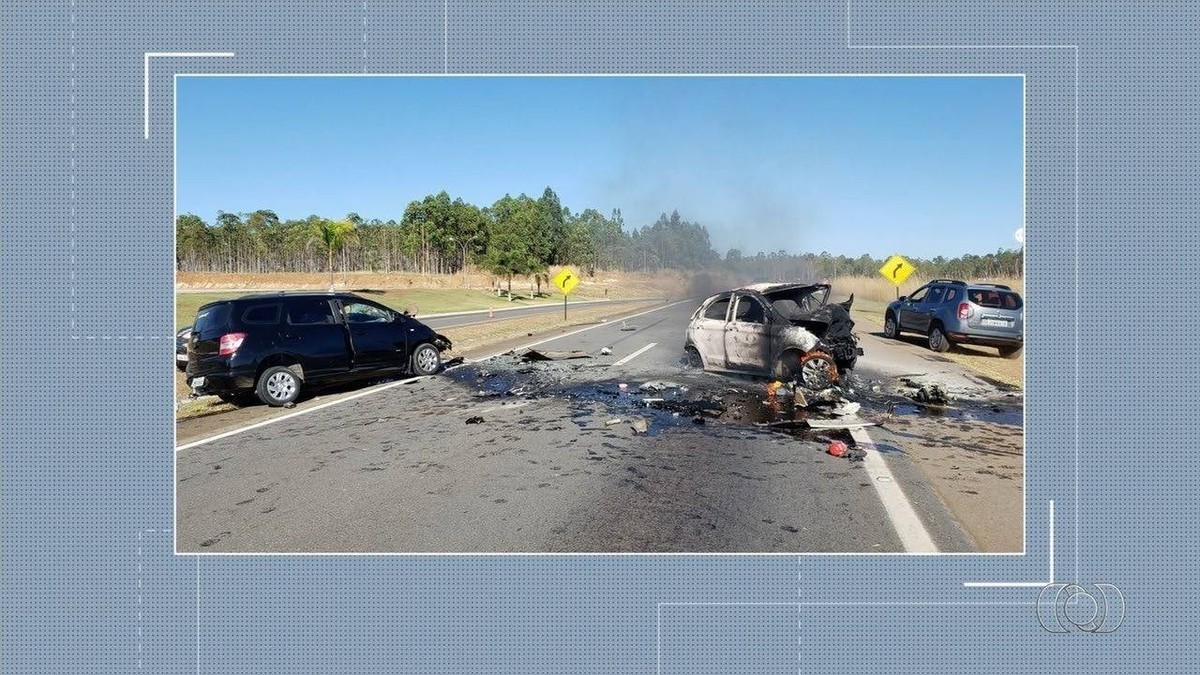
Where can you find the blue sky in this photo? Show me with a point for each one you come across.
(922, 166)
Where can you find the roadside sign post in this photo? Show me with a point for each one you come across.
(566, 280)
(896, 270)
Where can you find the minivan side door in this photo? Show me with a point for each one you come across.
(377, 340)
(311, 331)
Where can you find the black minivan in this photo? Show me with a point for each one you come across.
(270, 345)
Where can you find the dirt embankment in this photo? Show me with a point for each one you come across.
(615, 285)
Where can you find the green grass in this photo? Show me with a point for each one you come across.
(422, 301)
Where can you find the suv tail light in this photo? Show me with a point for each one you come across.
(230, 342)
(964, 310)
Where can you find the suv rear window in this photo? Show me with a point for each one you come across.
(261, 314)
(211, 318)
(996, 298)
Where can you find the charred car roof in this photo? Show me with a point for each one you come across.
(775, 287)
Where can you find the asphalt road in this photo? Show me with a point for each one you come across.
(410, 467)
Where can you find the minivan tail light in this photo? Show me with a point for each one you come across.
(230, 342)
(964, 310)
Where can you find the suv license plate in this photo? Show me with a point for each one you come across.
(197, 382)
(999, 323)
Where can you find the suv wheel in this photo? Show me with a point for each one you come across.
(937, 340)
(891, 329)
(278, 386)
(426, 360)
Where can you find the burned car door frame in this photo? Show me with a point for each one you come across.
(748, 334)
(709, 332)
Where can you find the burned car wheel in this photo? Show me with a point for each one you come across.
(818, 370)
(426, 360)
(890, 328)
(692, 357)
(278, 386)
(937, 340)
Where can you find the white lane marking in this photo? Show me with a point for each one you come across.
(912, 533)
(636, 354)
(298, 413)
(390, 385)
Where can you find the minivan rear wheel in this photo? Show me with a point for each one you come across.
(278, 386)
(426, 360)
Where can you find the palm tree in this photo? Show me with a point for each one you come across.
(332, 235)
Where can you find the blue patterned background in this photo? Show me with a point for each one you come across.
(89, 575)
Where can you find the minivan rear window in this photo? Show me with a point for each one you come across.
(211, 318)
(994, 298)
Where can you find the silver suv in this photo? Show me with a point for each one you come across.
(953, 312)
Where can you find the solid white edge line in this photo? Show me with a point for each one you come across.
(384, 387)
(636, 354)
(273, 420)
(909, 528)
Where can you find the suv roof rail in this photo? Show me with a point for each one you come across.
(946, 281)
(1007, 288)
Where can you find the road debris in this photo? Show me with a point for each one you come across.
(626, 327)
(611, 422)
(605, 351)
(655, 386)
(931, 394)
(639, 425)
(838, 448)
(536, 355)
(475, 420)
(846, 408)
(457, 360)
(851, 423)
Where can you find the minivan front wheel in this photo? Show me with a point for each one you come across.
(278, 386)
(426, 360)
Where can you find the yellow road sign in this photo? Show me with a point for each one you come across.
(566, 280)
(896, 269)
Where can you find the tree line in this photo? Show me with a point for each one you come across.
(513, 237)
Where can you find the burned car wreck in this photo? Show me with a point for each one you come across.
(787, 331)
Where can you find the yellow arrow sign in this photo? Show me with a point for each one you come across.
(896, 269)
(566, 280)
